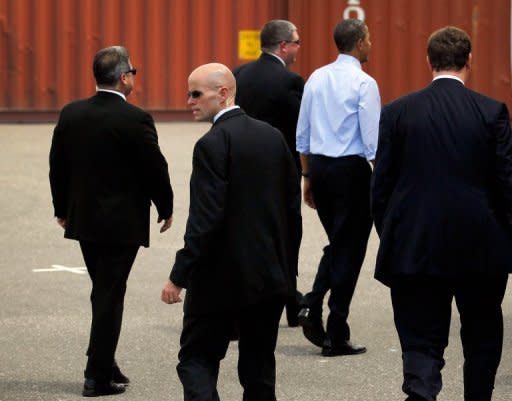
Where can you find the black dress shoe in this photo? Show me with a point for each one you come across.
(118, 377)
(312, 327)
(345, 348)
(293, 308)
(93, 388)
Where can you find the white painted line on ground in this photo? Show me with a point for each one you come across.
(61, 268)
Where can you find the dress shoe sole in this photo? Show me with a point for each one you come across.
(93, 392)
(329, 352)
(121, 381)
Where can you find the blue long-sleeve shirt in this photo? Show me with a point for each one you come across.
(340, 110)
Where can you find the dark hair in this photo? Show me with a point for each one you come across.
(274, 32)
(347, 33)
(448, 49)
(109, 64)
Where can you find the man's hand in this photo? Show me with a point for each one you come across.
(61, 222)
(166, 225)
(308, 194)
(170, 293)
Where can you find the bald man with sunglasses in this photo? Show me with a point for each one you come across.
(239, 262)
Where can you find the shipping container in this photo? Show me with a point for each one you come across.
(399, 30)
(47, 46)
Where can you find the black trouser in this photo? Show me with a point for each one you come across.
(205, 339)
(321, 284)
(341, 191)
(109, 266)
(293, 302)
(293, 307)
(422, 309)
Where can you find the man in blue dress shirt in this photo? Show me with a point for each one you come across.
(337, 137)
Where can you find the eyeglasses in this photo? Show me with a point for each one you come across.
(297, 42)
(194, 94)
(131, 71)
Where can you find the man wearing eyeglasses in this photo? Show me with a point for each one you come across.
(269, 91)
(239, 262)
(105, 169)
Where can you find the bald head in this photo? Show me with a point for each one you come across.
(214, 75)
(212, 88)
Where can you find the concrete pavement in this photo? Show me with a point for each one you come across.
(45, 315)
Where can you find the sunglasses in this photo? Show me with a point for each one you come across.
(131, 71)
(297, 42)
(195, 94)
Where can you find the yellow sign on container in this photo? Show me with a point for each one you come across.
(248, 45)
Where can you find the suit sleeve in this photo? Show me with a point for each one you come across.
(503, 137)
(385, 172)
(295, 94)
(58, 171)
(155, 168)
(208, 191)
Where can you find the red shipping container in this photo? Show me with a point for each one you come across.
(399, 30)
(47, 46)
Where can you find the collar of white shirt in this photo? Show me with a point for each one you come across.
(111, 91)
(223, 111)
(448, 76)
(347, 58)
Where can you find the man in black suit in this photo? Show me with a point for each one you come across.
(105, 169)
(239, 262)
(442, 203)
(269, 91)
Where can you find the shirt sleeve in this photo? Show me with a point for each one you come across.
(303, 124)
(369, 112)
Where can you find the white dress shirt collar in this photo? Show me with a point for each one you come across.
(223, 111)
(347, 58)
(448, 76)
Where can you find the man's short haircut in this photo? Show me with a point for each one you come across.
(274, 32)
(109, 64)
(347, 33)
(448, 48)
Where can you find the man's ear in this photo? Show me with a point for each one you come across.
(224, 93)
(469, 62)
(429, 65)
(123, 78)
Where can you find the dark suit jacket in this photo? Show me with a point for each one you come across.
(244, 226)
(268, 91)
(442, 184)
(105, 168)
